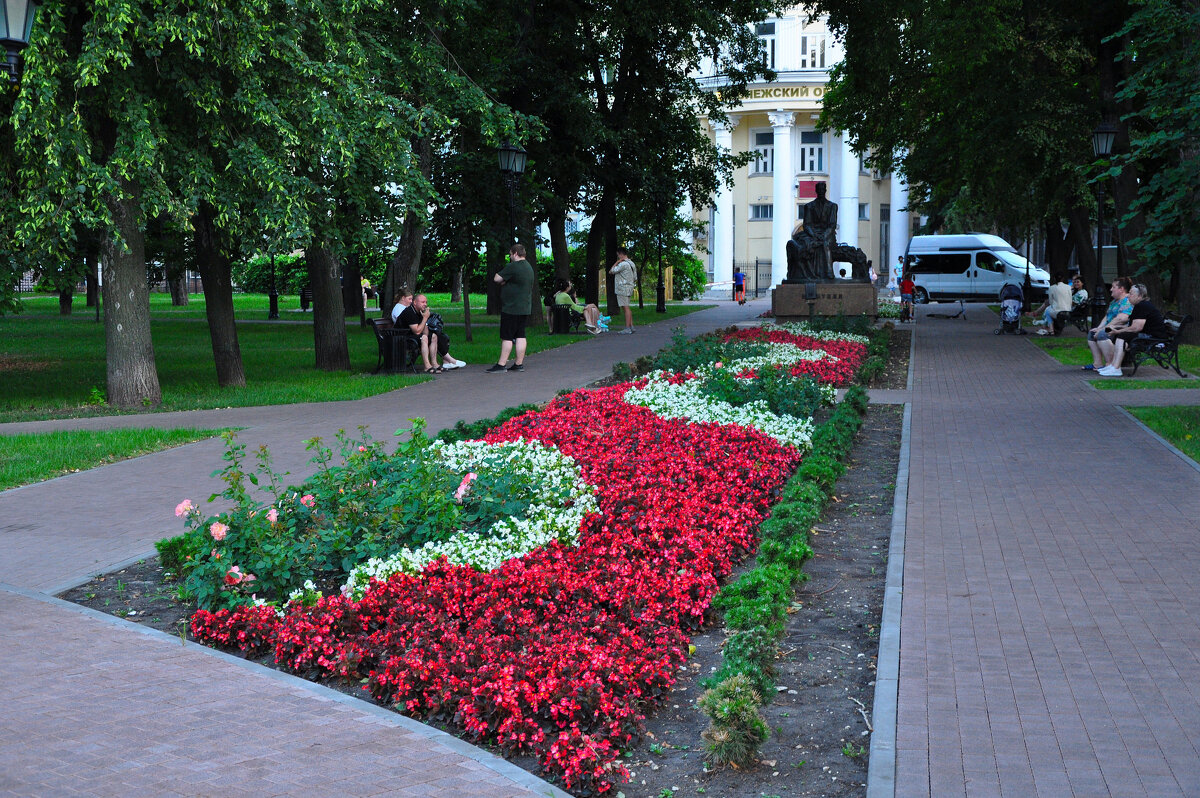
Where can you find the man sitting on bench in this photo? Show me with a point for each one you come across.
(1144, 320)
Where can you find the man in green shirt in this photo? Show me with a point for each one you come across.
(516, 288)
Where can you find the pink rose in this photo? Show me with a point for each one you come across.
(307, 500)
(234, 576)
(183, 508)
(718, 365)
(218, 531)
(463, 487)
(272, 515)
(362, 448)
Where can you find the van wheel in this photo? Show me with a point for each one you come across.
(920, 296)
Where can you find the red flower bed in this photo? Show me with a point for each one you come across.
(849, 354)
(558, 653)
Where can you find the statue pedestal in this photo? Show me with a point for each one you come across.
(789, 302)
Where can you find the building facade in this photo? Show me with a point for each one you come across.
(753, 218)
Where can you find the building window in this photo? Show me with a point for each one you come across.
(766, 34)
(764, 147)
(864, 212)
(812, 51)
(572, 226)
(862, 164)
(812, 152)
(762, 213)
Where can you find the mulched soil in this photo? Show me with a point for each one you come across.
(819, 716)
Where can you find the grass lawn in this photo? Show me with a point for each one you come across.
(25, 459)
(54, 365)
(1179, 425)
(1073, 351)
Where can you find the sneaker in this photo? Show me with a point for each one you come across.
(515, 367)
(596, 330)
(496, 369)
(1109, 371)
(1042, 332)
(457, 364)
(625, 331)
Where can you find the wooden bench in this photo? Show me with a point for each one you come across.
(1163, 351)
(564, 319)
(399, 350)
(1079, 316)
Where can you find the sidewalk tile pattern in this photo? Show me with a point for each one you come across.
(1050, 639)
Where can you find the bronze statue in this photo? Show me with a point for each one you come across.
(810, 251)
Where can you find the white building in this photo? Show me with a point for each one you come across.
(754, 217)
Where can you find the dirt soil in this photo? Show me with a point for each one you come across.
(821, 713)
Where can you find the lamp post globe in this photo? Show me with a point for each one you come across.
(1102, 142)
(16, 24)
(512, 166)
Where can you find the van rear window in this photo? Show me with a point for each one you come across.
(939, 264)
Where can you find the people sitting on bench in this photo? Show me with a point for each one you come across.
(1145, 320)
(401, 300)
(434, 341)
(590, 313)
(1058, 300)
(1118, 313)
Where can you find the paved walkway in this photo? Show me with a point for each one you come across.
(96, 705)
(1049, 642)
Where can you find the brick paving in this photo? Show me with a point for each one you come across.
(96, 705)
(1049, 641)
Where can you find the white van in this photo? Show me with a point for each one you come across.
(970, 266)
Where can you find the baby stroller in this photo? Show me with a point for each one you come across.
(1011, 302)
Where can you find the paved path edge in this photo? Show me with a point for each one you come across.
(501, 766)
(1170, 446)
(881, 764)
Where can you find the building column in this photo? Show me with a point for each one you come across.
(784, 195)
(722, 232)
(847, 196)
(899, 225)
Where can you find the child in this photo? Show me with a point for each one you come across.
(906, 296)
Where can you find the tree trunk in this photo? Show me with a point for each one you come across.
(1189, 296)
(1085, 255)
(610, 247)
(456, 285)
(216, 275)
(329, 320)
(559, 246)
(131, 377)
(177, 285)
(497, 254)
(91, 259)
(352, 294)
(64, 301)
(406, 263)
(595, 254)
(1059, 246)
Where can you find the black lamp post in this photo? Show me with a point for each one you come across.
(16, 23)
(1102, 143)
(512, 166)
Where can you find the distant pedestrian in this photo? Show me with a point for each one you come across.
(739, 287)
(625, 275)
(516, 287)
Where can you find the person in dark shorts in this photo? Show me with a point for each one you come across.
(516, 291)
(739, 287)
(1144, 320)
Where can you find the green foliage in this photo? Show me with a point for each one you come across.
(791, 551)
(369, 505)
(254, 275)
(759, 597)
(750, 652)
(783, 393)
(736, 727)
(686, 354)
(175, 553)
(474, 430)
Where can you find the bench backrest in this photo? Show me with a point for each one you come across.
(380, 325)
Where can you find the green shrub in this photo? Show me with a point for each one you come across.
(178, 553)
(474, 430)
(253, 276)
(759, 597)
(791, 552)
(750, 652)
(736, 729)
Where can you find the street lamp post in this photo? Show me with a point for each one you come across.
(16, 23)
(512, 166)
(1102, 142)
